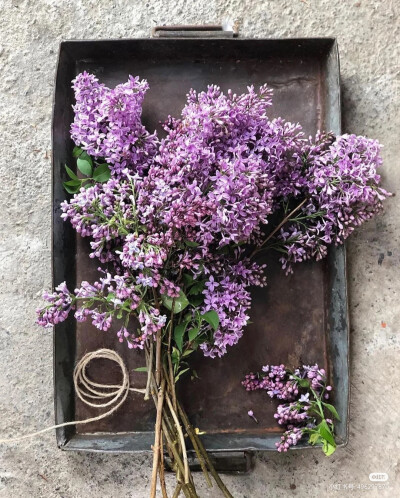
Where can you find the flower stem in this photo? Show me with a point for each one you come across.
(204, 453)
(177, 490)
(158, 344)
(161, 467)
(285, 220)
(182, 439)
(170, 432)
(192, 435)
(170, 420)
(158, 357)
(156, 448)
(171, 370)
(149, 357)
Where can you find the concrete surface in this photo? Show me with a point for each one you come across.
(30, 32)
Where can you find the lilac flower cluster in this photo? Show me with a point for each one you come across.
(291, 412)
(226, 292)
(101, 302)
(317, 376)
(341, 187)
(103, 212)
(273, 380)
(290, 438)
(107, 123)
(58, 308)
(217, 171)
(303, 390)
(214, 184)
(189, 205)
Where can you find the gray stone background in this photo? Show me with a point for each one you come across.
(30, 32)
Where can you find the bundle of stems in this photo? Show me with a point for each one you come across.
(173, 428)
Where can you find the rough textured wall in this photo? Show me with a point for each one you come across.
(30, 31)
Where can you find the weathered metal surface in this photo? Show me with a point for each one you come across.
(297, 319)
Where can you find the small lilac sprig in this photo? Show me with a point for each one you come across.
(305, 391)
(112, 298)
(341, 186)
(290, 438)
(274, 380)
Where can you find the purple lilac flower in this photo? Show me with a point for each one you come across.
(341, 185)
(60, 304)
(226, 293)
(291, 413)
(214, 179)
(81, 314)
(318, 378)
(145, 281)
(299, 415)
(184, 203)
(290, 438)
(274, 379)
(132, 341)
(89, 210)
(250, 413)
(107, 123)
(102, 321)
(169, 289)
(150, 323)
(138, 254)
(304, 398)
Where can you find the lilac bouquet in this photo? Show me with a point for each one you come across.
(304, 393)
(177, 225)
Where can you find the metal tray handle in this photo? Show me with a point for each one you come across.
(228, 29)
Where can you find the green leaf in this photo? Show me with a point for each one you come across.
(84, 155)
(212, 318)
(77, 151)
(190, 243)
(73, 183)
(314, 438)
(127, 305)
(193, 333)
(71, 189)
(175, 356)
(140, 369)
(84, 166)
(180, 303)
(102, 173)
(197, 300)
(187, 352)
(326, 433)
(197, 288)
(328, 449)
(179, 332)
(332, 409)
(187, 279)
(180, 373)
(304, 383)
(70, 173)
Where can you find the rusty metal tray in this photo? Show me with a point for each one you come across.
(298, 319)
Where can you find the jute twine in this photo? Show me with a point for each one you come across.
(92, 393)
